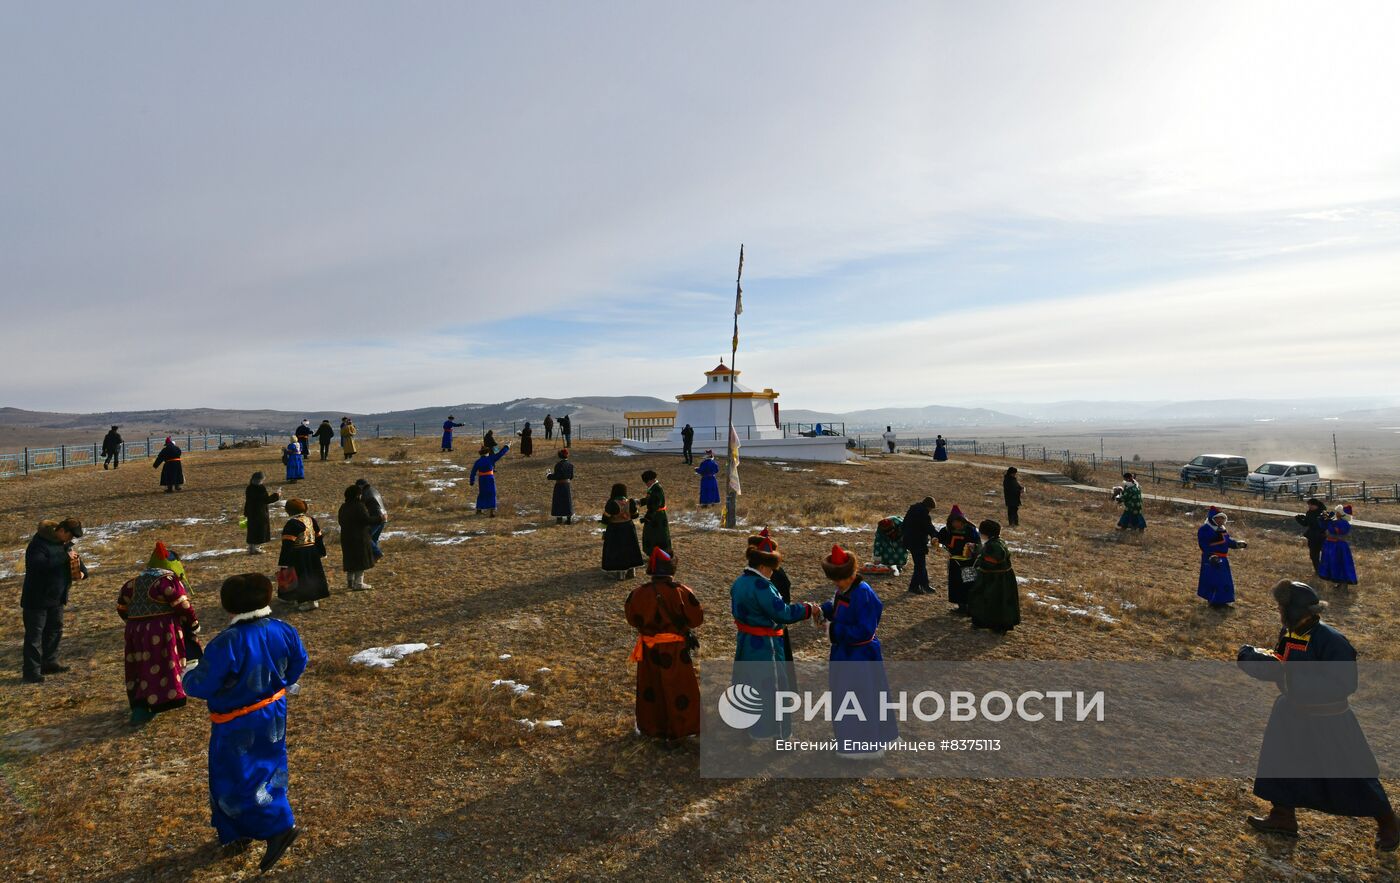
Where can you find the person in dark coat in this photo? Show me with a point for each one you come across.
(489, 440)
(940, 448)
(324, 434)
(1312, 730)
(527, 441)
(548, 427)
(301, 577)
(1011, 490)
(356, 550)
(963, 543)
(656, 524)
(562, 506)
(256, 499)
(688, 440)
(916, 532)
(50, 567)
(378, 514)
(566, 429)
(172, 472)
(303, 436)
(112, 449)
(994, 601)
(621, 551)
(1314, 524)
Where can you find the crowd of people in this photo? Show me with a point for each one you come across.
(249, 668)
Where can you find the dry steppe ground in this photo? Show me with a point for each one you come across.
(423, 771)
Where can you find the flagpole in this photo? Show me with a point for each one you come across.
(731, 498)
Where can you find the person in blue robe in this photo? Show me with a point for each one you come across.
(1216, 584)
(1336, 565)
(485, 469)
(759, 616)
(293, 458)
(940, 448)
(245, 676)
(857, 664)
(1312, 728)
(708, 470)
(447, 426)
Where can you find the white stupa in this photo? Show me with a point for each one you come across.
(756, 420)
(707, 409)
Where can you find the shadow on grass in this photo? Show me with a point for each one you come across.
(623, 803)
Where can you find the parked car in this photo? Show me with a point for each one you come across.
(1215, 468)
(1285, 475)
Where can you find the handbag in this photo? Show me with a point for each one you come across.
(969, 575)
(286, 579)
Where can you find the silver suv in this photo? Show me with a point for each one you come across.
(1285, 475)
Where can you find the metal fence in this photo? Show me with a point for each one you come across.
(36, 459)
(1156, 472)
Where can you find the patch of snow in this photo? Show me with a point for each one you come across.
(837, 482)
(826, 530)
(385, 657)
(1036, 579)
(448, 541)
(517, 689)
(1024, 550)
(623, 452)
(521, 533)
(504, 656)
(554, 723)
(542, 671)
(213, 553)
(526, 723)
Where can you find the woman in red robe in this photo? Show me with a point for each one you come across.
(158, 614)
(668, 690)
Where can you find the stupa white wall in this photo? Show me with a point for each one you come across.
(760, 437)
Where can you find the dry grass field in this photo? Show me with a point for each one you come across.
(423, 772)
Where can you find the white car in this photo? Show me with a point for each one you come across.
(1285, 475)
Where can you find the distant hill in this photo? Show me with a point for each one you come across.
(1239, 410)
(931, 416)
(19, 428)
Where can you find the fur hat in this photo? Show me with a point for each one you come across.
(760, 537)
(295, 506)
(661, 563)
(72, 525)
(1297, 600)
(1343, 511)
(1213, 513)
(840, 564)
(989, 528)
(764, 553)
(245, 593)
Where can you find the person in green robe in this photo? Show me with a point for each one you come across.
(995, 600)
(656, 526)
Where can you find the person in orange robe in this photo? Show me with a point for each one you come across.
(664, 612)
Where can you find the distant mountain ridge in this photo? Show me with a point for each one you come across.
(19, 426)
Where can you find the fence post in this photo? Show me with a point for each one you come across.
(63, 457)
(26, 461)
(1152, 468)
(974, 447)
(1093, 461)
(94, 455)
(1363, 491)
(415, 430)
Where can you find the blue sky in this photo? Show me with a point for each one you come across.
(418, 204)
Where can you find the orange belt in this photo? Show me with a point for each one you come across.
(479, 474)
(757, 630)
(652, 641)
(172, 460)
(225, 717)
